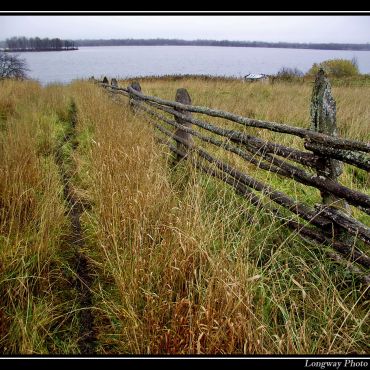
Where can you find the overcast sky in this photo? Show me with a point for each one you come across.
(342, 29)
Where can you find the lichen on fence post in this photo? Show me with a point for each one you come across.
(182, 96)
(323, 120)
(136, 86)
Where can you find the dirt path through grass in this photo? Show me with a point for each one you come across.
(75, 240)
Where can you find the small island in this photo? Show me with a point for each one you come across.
(24, 44)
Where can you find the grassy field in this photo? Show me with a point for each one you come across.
(177, 263)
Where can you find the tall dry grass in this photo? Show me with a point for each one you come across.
(282, 102)
(181, 264)
(32, 217)
(189, 268)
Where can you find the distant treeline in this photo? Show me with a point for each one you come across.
(37, 44)
(260, 44)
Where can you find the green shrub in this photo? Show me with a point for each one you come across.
(286, 72)
(336, 68)
(288, 75)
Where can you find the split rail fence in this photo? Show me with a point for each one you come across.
(320, 165)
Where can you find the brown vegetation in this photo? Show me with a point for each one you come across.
(179, 263)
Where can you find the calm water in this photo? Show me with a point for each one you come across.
(129, 61)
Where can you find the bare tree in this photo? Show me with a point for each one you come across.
(12, 66)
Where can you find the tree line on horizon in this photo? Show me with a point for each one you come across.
(179, 42)
(36, 43)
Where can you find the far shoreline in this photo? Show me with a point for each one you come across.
(34, 50)
(192, 45)
(227, 46)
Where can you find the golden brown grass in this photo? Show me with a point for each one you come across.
(182, 265)
(282, 102)
(32, 218)
(195, 269)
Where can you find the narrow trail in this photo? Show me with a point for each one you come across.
(75, 240)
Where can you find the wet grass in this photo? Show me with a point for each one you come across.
(180, 264)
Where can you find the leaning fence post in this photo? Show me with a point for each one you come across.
(132, 98)
(182, 96)
(323, 120)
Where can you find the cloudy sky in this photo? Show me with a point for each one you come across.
(303, 28)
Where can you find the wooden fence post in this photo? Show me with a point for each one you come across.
(114, 82)
(136, 86)
(182, 96)
(323, 120)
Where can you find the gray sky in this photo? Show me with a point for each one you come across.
(317, 28)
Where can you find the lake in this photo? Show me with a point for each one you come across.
(130, 61)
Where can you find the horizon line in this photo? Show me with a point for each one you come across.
(192, 40)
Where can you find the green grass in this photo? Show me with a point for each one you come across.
(181, 264)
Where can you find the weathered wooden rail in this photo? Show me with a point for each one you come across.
(329, 223)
